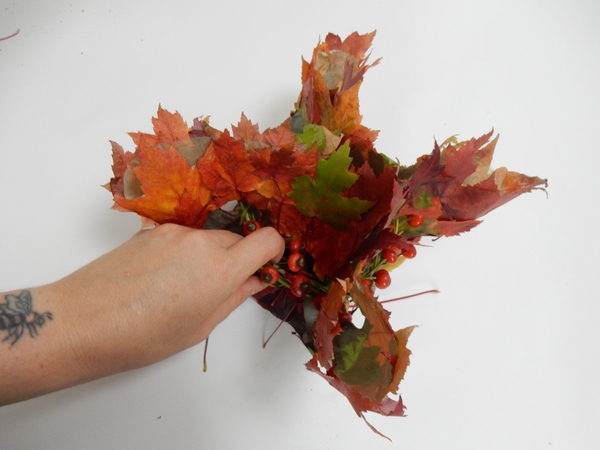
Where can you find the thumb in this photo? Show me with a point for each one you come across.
(254, 251)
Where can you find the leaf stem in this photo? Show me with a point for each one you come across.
(204, 361)
(12, 35)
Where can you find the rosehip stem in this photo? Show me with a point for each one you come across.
(246, 213)
(373, 266)
(287, 316)
(431, 291)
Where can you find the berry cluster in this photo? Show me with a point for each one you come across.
(294, 273)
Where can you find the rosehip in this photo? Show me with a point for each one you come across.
(295, 262)
(415, 220)
(409, 252)
(250, 226)
(389, 255)
(382, 279)
(269, 274)
(295, 245)
(345, 318)
(300, 285)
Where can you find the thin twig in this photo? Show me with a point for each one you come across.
(431, 291)
(205, 363)
(287, 316)
(12, 35)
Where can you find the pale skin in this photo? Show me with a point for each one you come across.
(162, 291)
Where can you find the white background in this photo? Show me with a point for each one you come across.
(506, 357)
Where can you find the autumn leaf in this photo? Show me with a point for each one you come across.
(323, 196)
(280, 137)
(287, 219)
(327, 324)
(312, 135)
(470, 190)
(320, 136)
(171, 190)
(358, 364)
(355, 44)
(386, 407)
(168, 128)
(246, 130)
(334, 249)
(370, 361)
(120, 158)
(330, 246)
(363, 371)
(331, 82)
(227, 170)
(277, 169)
(378, 341)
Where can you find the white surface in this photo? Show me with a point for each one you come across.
(506, 357)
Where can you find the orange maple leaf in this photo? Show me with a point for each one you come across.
(168, 127)
(172, 191)
(246, 130)
(160, 181)
(330, 83)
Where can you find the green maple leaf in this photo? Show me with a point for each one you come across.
(323, 196)
(356, 363)
(312, 134)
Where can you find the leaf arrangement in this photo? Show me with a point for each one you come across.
(348, 213)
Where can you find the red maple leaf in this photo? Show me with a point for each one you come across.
(471, 190)
(227, 170)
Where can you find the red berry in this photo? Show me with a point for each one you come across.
(415, 220)
(295, 262)
(269, 274)
(295, 245)
(409, 252)
(300, 285)
(250, 226)
(382, 279)
(389, 255)
(345, 318)
(289, 275)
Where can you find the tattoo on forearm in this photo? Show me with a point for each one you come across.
(17, 315)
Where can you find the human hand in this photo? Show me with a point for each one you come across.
(165, 289)
(162, 291)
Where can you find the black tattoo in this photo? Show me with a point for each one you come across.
(16, 315)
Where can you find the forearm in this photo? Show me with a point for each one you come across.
(81, 328)
(78, 329)
(37, 351)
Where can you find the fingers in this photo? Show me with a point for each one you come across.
(250, 287)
